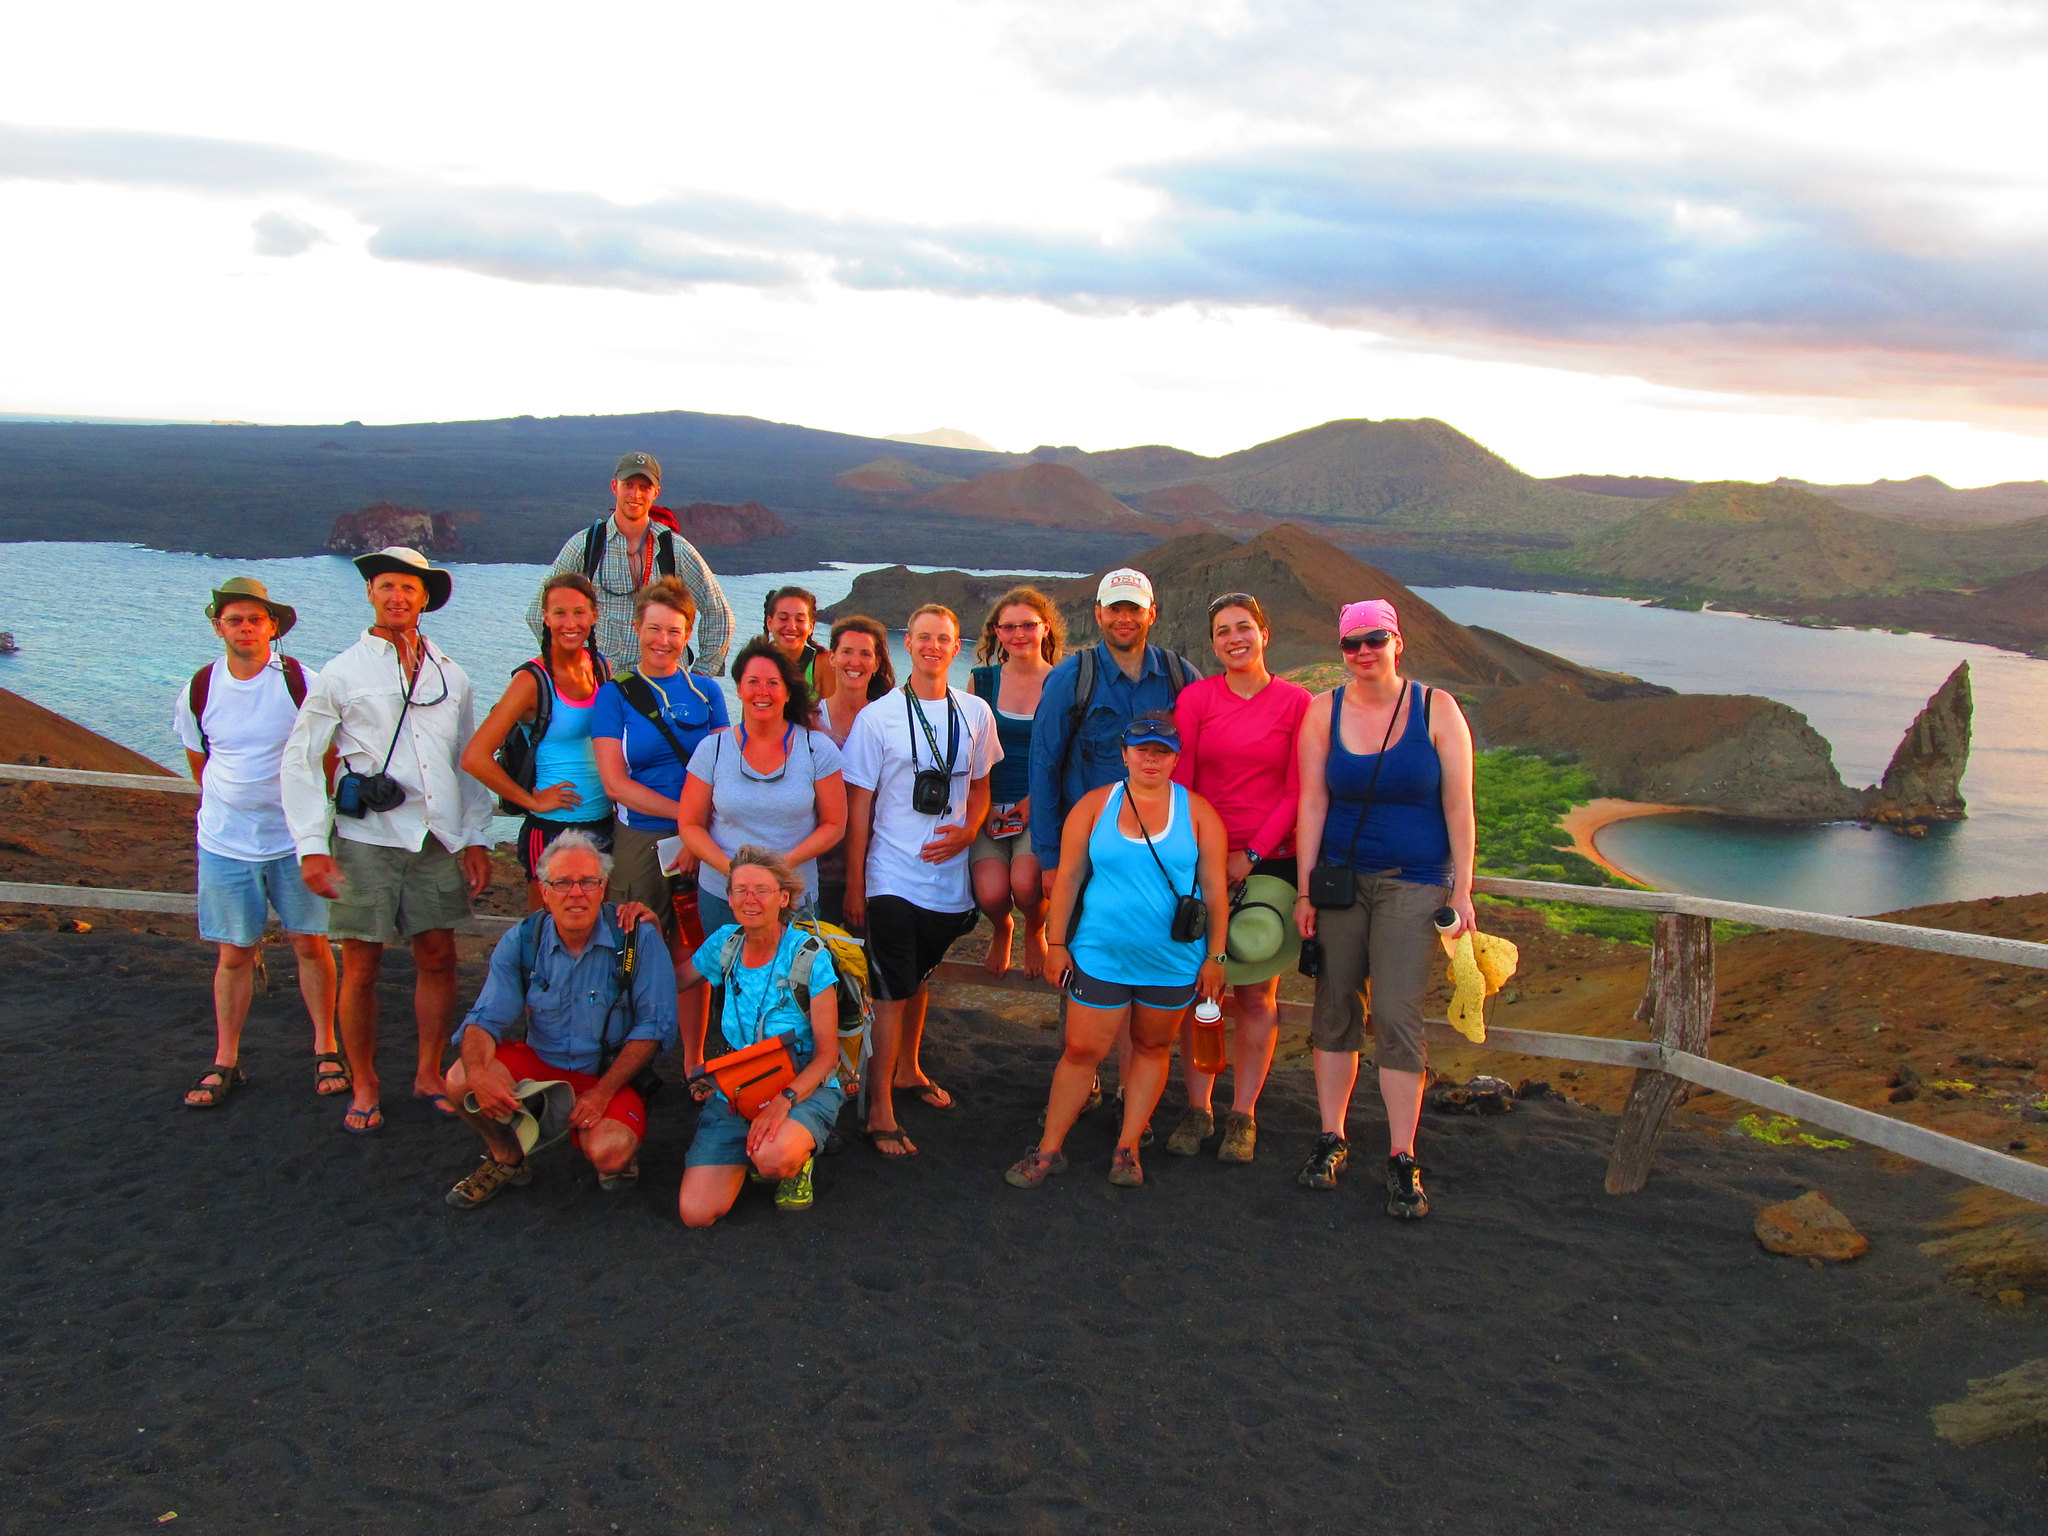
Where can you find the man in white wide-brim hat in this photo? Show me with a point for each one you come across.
(401, 844)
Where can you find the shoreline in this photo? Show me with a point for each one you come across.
(1583, 822)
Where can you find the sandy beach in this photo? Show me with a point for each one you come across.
(249, 1319)
(1582, 822)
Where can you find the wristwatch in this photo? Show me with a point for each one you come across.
(1223, 959)
(790, 1094)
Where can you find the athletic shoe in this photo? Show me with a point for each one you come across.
(484, 1182)
(1404, 1188)
(1195, 1127)
(1124, 1171)
(1324, 1163)
(794, 1193)
(1240, 1138)
(1034, 1168)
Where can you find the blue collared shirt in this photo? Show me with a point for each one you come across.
(568, 998)
(1097, 757)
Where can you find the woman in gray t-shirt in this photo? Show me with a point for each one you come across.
(769, 780)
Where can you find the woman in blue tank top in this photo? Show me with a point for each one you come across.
(567, 792)
(1386, 810)
(1020, 642)
(1141, 848)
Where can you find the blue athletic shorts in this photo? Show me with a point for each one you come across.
(1092, 992)
(721, 1139)
(235, 896)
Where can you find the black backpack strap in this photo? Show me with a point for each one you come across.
(543, 698)
(640, 694)
(1084, 697)
(593, 548)
(1179, 670)
(195, 695)
(664, 551)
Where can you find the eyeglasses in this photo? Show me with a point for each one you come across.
(1020, 629)
(1371, 640)
(587, 884)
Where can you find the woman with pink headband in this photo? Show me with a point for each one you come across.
(1386, 815)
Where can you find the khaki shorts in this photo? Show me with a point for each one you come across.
(1003, 850)
(637, 876)
(1389, 923)
(391, 894)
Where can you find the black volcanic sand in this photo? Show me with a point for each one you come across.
(246, 1317)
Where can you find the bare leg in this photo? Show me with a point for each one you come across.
(610, 1145)
(1401, 1092)
(881, 1078)
(1027, 890)
(234, 984)
(709, 1192)
(356, 1009)
(1252, 1042)
(992, 895)
(1336, 1075)
(909, 1070)
(1151, 1035)
(1201, 1086)
(1089, 1034)
(433, 1005)
(316, 985)
(498, 1139)
(693, 1009)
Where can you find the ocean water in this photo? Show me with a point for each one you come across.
(110, 632)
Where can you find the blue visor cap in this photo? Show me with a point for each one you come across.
(1152, 728)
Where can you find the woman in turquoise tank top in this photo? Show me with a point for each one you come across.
(1020, 643)
(1386, 803)
(567, 792)
(1141, 849)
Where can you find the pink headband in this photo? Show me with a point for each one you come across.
(1373, 613)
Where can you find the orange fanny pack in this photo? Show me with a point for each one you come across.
(750, 1077)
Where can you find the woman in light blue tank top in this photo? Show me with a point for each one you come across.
(1131, 855)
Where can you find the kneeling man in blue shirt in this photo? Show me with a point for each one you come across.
(593, 1020)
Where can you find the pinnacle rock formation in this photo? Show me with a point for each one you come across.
(1924, 782)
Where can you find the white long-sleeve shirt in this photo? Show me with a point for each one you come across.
(355, 703)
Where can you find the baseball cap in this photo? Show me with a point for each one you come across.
(1159, 728)
(1124, 585)
(638, 464)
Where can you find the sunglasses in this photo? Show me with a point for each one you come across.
(1371, 640)
(1242, 600)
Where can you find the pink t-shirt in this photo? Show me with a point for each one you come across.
(1238, 754)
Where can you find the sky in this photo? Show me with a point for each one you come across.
(1706, 238)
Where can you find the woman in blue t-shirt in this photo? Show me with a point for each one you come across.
(644, 727)
(749, 961)
(1020, 642)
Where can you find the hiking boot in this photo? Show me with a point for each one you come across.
(1405, 1198)
(1194, 1129)
(1124, 1171)
(1034, 1168)
(484, 1182)
(1324, 1163)
(1240, 1138)
(794, 1193)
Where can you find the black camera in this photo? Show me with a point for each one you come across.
(1190, 919)
(931, 792)
(358, 794)
(1311, 962)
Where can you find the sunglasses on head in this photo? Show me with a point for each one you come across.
(1371, 640)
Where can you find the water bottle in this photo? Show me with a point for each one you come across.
(1446, 919)
(1209, 1055)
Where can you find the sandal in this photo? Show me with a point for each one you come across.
(931, 1093)
(361, 1122)
(215, 1084)
(1034, 1168)
(893, 1137)
(1124, 1171)
(331, 1074)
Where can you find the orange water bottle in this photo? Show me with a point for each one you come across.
(1209, 1056)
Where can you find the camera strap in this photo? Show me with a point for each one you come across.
(914, 709)
(411, 688)
(1143, 831)
(1336, 740)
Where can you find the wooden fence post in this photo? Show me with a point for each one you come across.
(1680, 1000)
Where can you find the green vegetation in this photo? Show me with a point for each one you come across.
(1521, 799)
(1783, 1131)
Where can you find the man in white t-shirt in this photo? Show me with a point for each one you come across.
(917, 766)
(233, 718)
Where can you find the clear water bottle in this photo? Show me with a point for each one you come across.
(1209, 1053)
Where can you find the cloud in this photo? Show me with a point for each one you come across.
(1727, 272)
(283, 234)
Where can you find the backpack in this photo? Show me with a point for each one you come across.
(849, 960)
(661, 522)
(1179, 673)
(644, 1082)
(519, 753)
(202, 684)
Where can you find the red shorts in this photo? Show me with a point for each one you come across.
(626, 1107)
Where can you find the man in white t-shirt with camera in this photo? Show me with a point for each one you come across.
(233, 718)
(917, 766)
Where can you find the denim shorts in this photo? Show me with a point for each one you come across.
(721, 1139)
(235, 896)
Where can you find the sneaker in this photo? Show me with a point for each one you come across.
(1240, 1138)
(1194, 1129)
(484, 1182)
(1034, 1168)
(1124, 1171)
(1324, 1163)
(794, 1193)
(1404, 1188)
(625, 1178)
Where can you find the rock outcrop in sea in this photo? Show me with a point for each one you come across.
(1924, 783)
(385, 524)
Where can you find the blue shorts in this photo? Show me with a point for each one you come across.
(235, 896)
(1092, 992)
(721, 1139)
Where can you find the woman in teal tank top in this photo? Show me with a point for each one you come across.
(1141, 849)
(1020, 642)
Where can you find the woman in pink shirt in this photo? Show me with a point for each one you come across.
(1237, 732)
